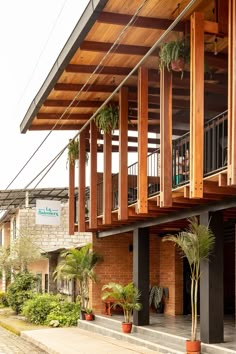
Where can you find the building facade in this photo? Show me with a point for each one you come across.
(180, 124)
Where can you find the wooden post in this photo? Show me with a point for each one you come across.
(93, 177)
(232, 95)
(71, 198)
(142, 205)
(107, 179)
(166, 138)
(123, 155)
(81, 184)
(196, 105)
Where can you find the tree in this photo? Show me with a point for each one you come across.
(196, 244)
(78, 265)
(24, 250)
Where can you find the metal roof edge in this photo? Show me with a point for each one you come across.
(85, 23)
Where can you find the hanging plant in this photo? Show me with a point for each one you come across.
(73, 151)
(175, 55)
(107, 119)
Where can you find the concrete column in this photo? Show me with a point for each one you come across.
(141, 273)
(211, 284)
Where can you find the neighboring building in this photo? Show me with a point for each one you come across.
(192, 120)
(51, 240)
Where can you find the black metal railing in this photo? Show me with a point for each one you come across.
(180, 164)
(215, 144)
(215, 159)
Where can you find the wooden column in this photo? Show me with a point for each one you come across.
(196, 105)
(231, 158)
(142, 205)
(81, 184)
(71, 198)
(166, 138)
(107, 179)
(93, 177)
(123, 155)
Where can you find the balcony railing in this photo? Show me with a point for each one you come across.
(215, 160)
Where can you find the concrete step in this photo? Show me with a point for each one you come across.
(160, 341)
(112, 328)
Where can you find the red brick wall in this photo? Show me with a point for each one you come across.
(171, 276)
(117, 266)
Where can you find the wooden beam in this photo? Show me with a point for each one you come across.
(93, 177)
(140, 21)
(142, 205)
(211, 27)
(71, 198)
(166, 139)
(222, 12)
(123, 155)
(196, 105)
(107, 180)
(231, 158)
(81, 182)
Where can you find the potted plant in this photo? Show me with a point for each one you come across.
(156, 295)
(174, 55)
(89, 314)
(107, 119)
(196, 244)
(125, 296)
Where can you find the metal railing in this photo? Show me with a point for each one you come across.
(215, 159)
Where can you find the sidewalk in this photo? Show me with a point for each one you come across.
(74, 340)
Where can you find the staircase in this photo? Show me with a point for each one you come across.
(145, 336)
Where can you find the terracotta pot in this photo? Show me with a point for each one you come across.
(126, 327)
(193, 347)
(177, 65)
(89, 317)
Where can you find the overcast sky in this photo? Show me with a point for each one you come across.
(33, 32)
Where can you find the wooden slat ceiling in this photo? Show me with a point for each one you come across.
(152, 20)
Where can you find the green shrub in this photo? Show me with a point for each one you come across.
(37, 309)
(3, 299)
(66, 313)
(21, 290)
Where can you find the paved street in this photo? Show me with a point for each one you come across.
(12, 344)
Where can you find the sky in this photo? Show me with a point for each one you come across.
(33, 32)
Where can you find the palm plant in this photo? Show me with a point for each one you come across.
(196, 244)
(125, 296)
(78, 265)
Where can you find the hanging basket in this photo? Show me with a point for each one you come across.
(178, 65)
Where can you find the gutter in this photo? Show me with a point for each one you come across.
(84, 25)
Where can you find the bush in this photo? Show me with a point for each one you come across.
(20, 290)
(3, 299)
(37, 309)
(66, 313)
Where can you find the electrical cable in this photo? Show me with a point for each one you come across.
(150, 51)
(79, 92)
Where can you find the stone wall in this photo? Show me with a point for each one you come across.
(51, 237)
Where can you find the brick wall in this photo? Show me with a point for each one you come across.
(171, 276)
(165, 268)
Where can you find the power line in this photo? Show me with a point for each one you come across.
(155, 45)
(79, 92)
